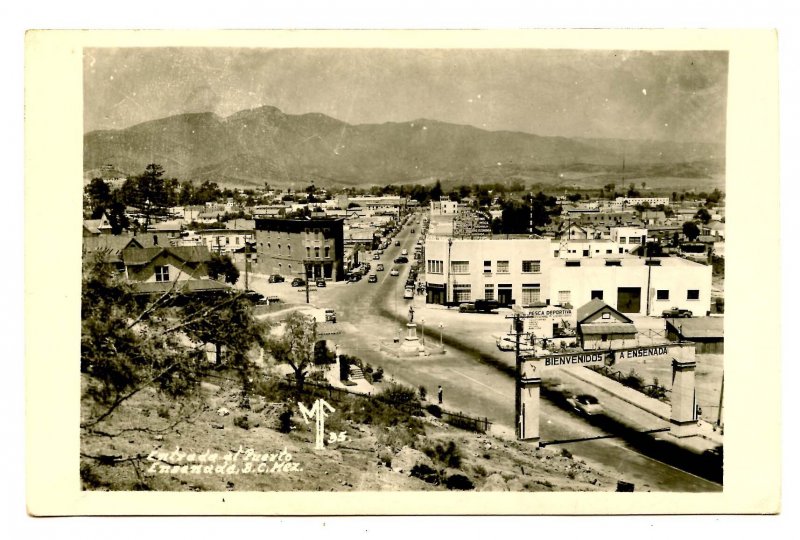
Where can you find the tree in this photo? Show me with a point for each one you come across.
(222, 265)
(436, 191)
(690, 230)
(703, 215)
(99, 195)
(574, 197)
(295, 346)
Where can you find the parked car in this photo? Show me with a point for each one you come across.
(676, 312)
(330, 315)
(253, 296)
(321, 283)
(397, 242)
(469, 307)
(404, 252)
(486, 306)
(379, 267)
(408, 293)
(376, 257)
(372, 278)
(276, 278)
(585, 404)
(298, 282)
(354, 276)
(394, 272)
(401, 260)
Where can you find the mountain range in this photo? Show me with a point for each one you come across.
(266, 145)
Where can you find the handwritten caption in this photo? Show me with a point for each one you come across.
(243, 461)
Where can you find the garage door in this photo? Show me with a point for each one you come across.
(629, 299)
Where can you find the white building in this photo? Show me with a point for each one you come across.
(444, 207)
(628, 238)
(526, 272)
(630, 202)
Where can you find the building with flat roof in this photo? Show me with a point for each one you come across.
(287, 246)
(526, 272)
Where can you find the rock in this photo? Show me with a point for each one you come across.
(217, 426)
(407, 457)
(223, 411)
(515, 485)
(159, 437)
(494, 482)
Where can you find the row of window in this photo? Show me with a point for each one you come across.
(308, 250)
(462, 267)
(531, 293)
(691, 294)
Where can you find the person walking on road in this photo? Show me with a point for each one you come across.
(440, 394)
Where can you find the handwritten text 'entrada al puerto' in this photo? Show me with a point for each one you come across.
(243, 461)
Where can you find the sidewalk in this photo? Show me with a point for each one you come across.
(653, 406)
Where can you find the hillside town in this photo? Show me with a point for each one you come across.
(435, 287)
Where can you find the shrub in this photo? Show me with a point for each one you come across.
(397, 394)
(426, 473)
(633, 380)
(385, 457)
(479, 470)
(285, 419)
(378, 375)
(566, 453)
(423, 392)
(449, 456)
(163, 411)
(434, 409)
(242, 422)
(459, 482)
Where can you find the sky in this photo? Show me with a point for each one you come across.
(678, 96)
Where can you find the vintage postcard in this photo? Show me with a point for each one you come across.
(406, 272)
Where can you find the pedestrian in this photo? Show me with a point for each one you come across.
(440, 394)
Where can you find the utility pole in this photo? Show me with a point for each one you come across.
(246, 264)
(518, 377)
(305, 266)
(721, 391)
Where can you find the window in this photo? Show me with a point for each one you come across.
(316, 252)
(634, 240)
(459, 267)
(487, 267)
(162, 273)
(603, 337)
(662, 295)
(488, 292)
(227, 240)
(563, 297)
(613, 262)
(435, 267)
(308, 252)
(572, 263)
(597, 294)
(606, 316)
(620, 250)
(693, 294)
(531, 293)
(531, 267)
(327, 252)
(462, 292)
(237, 240)
(608, 252)
(555, 253)
(279, 248)
(623, 240)
(502, 267)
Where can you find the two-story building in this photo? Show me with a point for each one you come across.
(288, 246)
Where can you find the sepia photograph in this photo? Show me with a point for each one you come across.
(401, 268)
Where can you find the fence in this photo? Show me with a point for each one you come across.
(459, 420)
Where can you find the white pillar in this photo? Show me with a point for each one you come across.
(683, 418)
(529, 389)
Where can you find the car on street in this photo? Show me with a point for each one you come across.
(253, 296)
(353, 277)
(401, 260)
(469, 307)
(397, 242)
(298, 282)
(376, 257)
(321, 283)
(408, 293)
(586, 404)
(276, 278)
(330, 315)
(379, 267)
(676, 313)
(394, 272)
(372, 278)
(404, 252)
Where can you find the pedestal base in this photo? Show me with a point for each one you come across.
(683, 430)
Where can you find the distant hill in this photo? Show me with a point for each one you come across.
(266, 145)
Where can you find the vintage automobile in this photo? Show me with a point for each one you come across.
(676, 313)
(394, 272)
(408, 293)
(401, 260)
(330, 315)
(404, 252)
(585, 404)
(372, 278)
(379, 267)
(321, 283)
(276, 278)
(298, 282)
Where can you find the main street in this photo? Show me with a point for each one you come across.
(475, 374)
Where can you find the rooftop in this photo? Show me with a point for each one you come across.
(700, 327)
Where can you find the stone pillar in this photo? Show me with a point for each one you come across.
(683, 417)
(412, 332)
(529, 389)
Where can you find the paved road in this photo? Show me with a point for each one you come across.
(476, 379)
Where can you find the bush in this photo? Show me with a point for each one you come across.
(459, 482)
(285, 420)
(449, 455)
(378, 375)
(423, 392)
(242, 422)
(163, 411)
(434, 410)
(426, 473)
(566, 453)
(633, 380)
(397, 394)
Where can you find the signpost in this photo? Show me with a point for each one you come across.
(529, 379)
